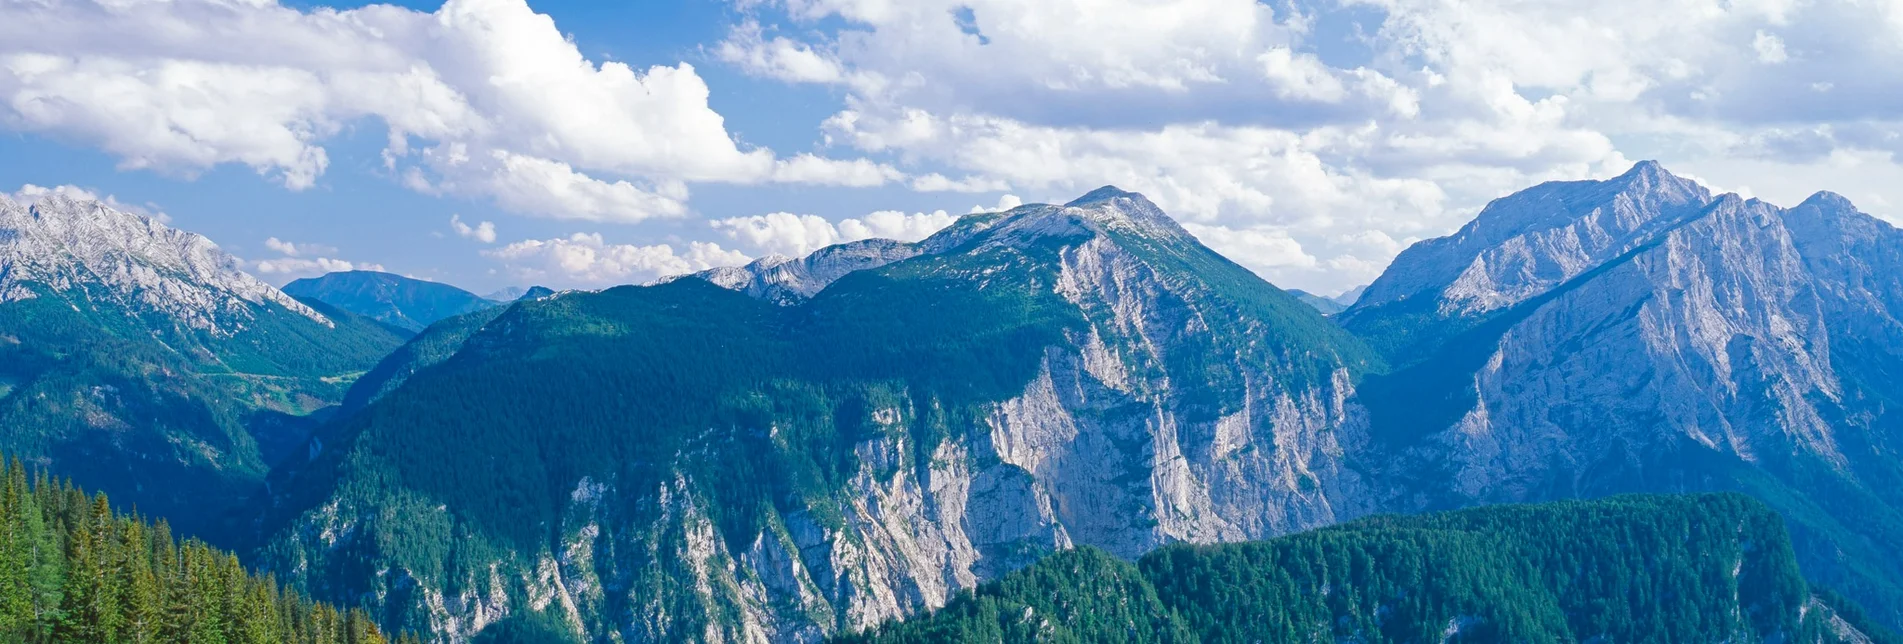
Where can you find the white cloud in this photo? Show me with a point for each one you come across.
(1233, 179)
(305, 260)
(482, 97)
(794, 235)
(1315, 124)
(783, 233)
(1031, 48)
(858, 173)
(787, 60)
(1301, 76)
(289, 249)
(1770, 48)
(935, 182)
(484, 232)
(586, 259)
(892, 224)
(295, 267)
(1263, 250)
(1005, 202)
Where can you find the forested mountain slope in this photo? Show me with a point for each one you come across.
(1712, 568)
(685, 461)
(799, 449)
(72, 569)
(403, 302)
(140, 361)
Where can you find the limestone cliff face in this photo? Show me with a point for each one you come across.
(1178, 408)
(91, 252)
(1577, 339)
(1646, 338)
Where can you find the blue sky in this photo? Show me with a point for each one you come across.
(616, 142)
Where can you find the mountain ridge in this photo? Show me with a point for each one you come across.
(404, 302)
(61, 241)
(143, 362)
(1727, 345)
(1046, 377)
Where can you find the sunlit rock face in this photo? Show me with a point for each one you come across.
(1638, 334)
(1172, 396)
(877, 426)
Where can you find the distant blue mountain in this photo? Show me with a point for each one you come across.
(398, 301)
(1328, 306)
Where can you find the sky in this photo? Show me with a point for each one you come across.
(494, 143)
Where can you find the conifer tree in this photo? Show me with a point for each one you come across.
(73, 570)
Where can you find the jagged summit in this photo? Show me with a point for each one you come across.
(1130, 211)
(787, 280)
(60, 243)
(1651, 179)
(1648, 170)
(1526, 242)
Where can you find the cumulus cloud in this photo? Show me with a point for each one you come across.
(305, 260)
(484, 232)
(586, 259)
(1259, 249)
(1005, 202)
(794, 235)
(748, 48)
(1239, 181)
(1770, 48)
(295, 267)
(481, 97)
(1279, 126)
(289, 249)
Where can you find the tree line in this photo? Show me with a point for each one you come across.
(72, 569)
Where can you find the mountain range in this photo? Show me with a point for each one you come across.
(141, 361)
(806, 448)
(403, 302)
(1641, 334)
(1327, 305)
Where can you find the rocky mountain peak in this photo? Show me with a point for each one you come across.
(787, 280)
(1524, 243)
(1827, 200)
(1100, 195)
(60, 243)
(1118, 209)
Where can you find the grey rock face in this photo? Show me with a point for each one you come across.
(1577, 339)
(784, 280)
(1633, 335)
(1527, 243)
(68, 244)
(1110, 444)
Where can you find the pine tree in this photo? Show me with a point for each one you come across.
(71, 570)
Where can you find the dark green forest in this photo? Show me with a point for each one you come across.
(1623, 569)
(72, 569)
